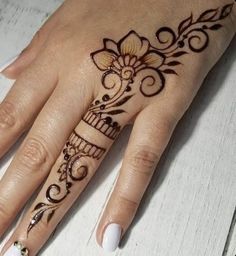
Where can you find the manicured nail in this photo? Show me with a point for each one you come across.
(17, 249)
(111, 237)
(8, 63)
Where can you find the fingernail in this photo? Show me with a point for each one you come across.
(8, 63)
(17, 249)
(111, 237)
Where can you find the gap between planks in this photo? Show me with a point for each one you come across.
(230, 234)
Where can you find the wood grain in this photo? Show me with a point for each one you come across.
(189, 206)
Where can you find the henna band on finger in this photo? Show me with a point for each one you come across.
(130, 66)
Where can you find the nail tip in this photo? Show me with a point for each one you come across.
(110, 250)
(111, 238)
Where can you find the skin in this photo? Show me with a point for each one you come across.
(58, 81)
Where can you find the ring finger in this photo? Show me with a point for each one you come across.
(150, 135)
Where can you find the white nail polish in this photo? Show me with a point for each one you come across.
(111, 237)
(12, 251)
(8, 63)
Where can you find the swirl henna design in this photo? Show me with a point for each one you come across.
(133, 62)
(129, 64)
(71, 170)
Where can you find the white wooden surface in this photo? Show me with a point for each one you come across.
(189, 207)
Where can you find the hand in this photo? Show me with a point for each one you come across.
(80, 91)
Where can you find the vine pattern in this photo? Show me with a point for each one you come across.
(73, 169)
(133, 62)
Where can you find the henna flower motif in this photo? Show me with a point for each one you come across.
(127, 57)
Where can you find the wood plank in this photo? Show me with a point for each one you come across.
(19, 20)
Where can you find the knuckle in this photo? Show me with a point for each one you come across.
(170, 120)
(36, 38)
(164, 125)
(59, 37)
(130, 204)
(167, 120)
(38, 35)
(7, 115)
(143, 160)
(33, 154)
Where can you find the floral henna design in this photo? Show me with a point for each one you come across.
(129, 64)
(73, 169)
(133, 63)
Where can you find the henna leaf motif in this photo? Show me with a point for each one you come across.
(169, 71)
(63, 176)
(226, 10)
(173, 63)
(216, 27)
(123, 100)
(115, 112)
(178, 54)
(39, 205)
(208, 15)
(185, 24)
(37, 217)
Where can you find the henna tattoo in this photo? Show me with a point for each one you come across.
(73, 169)
(133, 62)
(129, 64)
